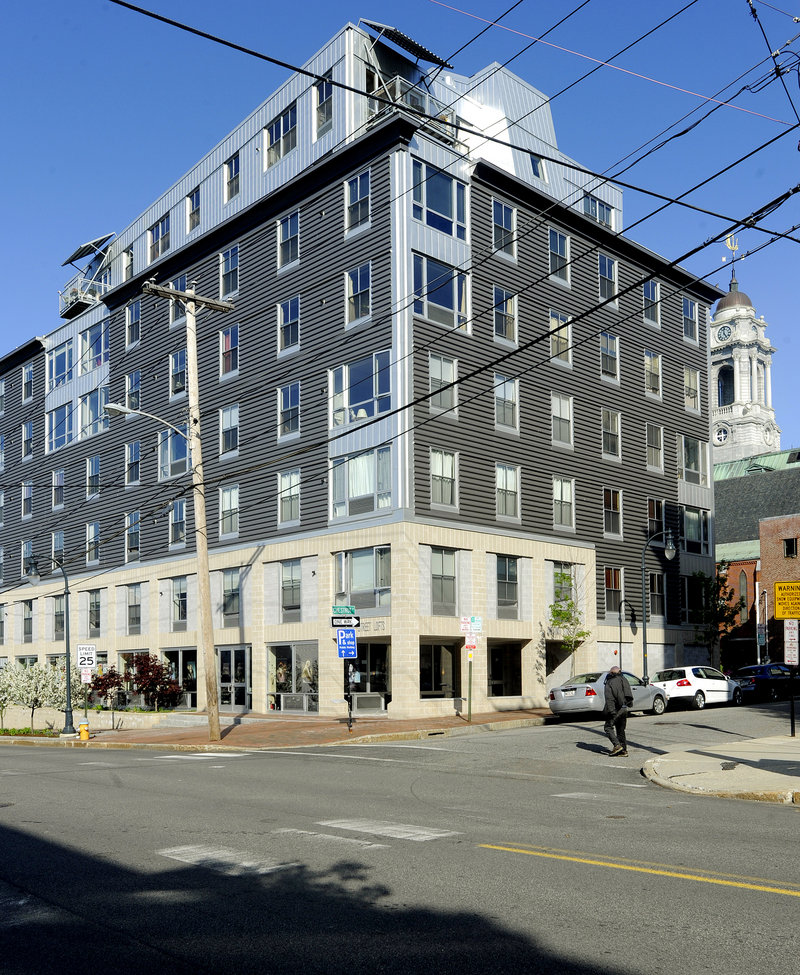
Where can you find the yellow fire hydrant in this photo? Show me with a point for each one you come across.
(83, 730)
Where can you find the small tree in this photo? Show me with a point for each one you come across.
(154, 682)
(30, 687)
(566, 616)
(716, 611)
(5, 694)
(57, 688)
(106, 685)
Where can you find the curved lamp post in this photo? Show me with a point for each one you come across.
(33, 574)
(669, 555)
(622, 604)
(201, 548)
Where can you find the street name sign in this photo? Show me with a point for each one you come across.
(87, 655)
(348, 621)
(346, 643)
(790, 642)
(343, 610)
(787, 600)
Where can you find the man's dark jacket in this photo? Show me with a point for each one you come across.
(618, 693)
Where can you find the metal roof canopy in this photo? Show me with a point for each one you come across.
(88, 249)
(407, 43)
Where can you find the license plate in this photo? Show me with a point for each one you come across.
(569, 693)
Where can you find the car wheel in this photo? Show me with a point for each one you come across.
(699, 701)
(737, 697)
(659, 704)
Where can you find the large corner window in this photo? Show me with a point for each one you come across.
(440, 292)
(281, 135)
(361, 483)
(363, 577)
(439, 200)
(694, 468)
(173, 452)
(360, 389)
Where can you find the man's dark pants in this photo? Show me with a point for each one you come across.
(615, 728)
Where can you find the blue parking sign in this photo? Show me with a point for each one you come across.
(346, 642)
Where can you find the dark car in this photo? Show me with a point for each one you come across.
(764, 682)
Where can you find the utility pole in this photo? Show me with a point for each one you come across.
(191, 301)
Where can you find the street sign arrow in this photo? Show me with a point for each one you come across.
(348, 621)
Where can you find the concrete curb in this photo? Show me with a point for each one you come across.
(780, 796)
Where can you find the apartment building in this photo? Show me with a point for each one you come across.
(450, 393)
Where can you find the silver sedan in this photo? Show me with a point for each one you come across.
(586, 693)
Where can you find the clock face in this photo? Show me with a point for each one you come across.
(721, 435)
(723, 333)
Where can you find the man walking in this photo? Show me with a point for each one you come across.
(619, 698)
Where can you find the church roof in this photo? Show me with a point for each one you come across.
(734, 298)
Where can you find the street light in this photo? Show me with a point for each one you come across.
(669, 555)
(203, 572)
(33, 574)
(622, 604)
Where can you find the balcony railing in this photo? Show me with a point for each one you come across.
(418, 101)
(80, 293)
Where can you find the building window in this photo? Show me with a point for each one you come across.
(133, 390)
(363, 577)
(27, 621)
(358, 293)
(92, 542)
(58, 617)
(229, 350)
(92, 476)
(133, 322)
(563, 502)
(177, 308)
(324, 90)
(507, 490)
(289, 239)
(94, 612)
(507, 587)
(537, 166)
(127, 264)
(443, 478)
(27, 381)
(650, 302)
(27, 439)
(193, 210)
(229, 271)
(559, 256)
(290, 591)
(692, 599)
(26, 550)
(159, 238)
(229, 510)
(2, 507)
(360, 389)
(173, 452)
(229, 429)
(690, 319)
(613, 588)
(611, 434)
(357, 200)
(289, 324)
(281, 135)
(59, 365)
(560, 338)
(443, 372)
(612, 511)
(177, 522)
(361, 483)
(132, 537)
(2, 396)
(27, 499)
(744, 604)
(94, 347)
(691, 388)
(133, 453)
(232, 177)
(607, 269)
(695, 535)
(656, 591)
(289, 409)
(790, 548)
(57, 546)
(2, 451)
(506, 401)
(58, 489)
(289, 497)
(505, 314)
(609, 356)
(3, 662)
(440, 292)
(177, 373)
(180, 604)
(693, 461)
(561, 417)
(439, 201)
(443, 582)
(230, 597)
(655, 447)
(59, 427)
(94, 418)
(503, 228)
(655, 516)
(652, 373)
(597, 210)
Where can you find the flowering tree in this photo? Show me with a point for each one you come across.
(57, 690)
(5, 693)
(30, 687)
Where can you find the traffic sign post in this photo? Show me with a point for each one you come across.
(790, 656)
(346, 642)
(787, 601)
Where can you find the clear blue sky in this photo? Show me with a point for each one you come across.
(103, 109)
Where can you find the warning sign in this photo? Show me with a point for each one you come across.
(787, 600)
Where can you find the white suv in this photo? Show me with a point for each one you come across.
(697, 686)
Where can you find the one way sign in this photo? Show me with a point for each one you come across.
(349, 621)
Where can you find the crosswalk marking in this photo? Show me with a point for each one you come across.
(398, 831)
(232, 863)
(307, 834)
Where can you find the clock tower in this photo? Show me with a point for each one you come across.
(742, 417)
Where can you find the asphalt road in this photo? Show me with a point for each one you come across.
(521, 851)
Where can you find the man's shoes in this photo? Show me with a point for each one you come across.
(623, 753)
(618, 750)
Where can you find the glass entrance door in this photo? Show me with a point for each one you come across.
(183, 667)
(234, 678)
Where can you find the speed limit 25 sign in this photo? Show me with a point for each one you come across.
(87, 655)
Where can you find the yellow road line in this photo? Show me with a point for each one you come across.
(765, 887)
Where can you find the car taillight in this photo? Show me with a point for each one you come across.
(552, 695)
(684, 683)
(591, 692)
